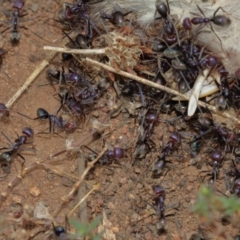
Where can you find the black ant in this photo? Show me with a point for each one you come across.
(15, 35)
(219, 20)
(76, 14)
(117, 17)
(158, 166)
(71, 77)
(6, 158)
(70, 103)
(82, 41)
(115, 154)
(164, 11)
(53, 120)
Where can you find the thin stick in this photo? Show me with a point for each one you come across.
(95, 187)
(155, 85)
(29, 80)
(76, 51)
(75, 187)
(82, 211)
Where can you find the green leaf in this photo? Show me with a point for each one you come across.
(93, 224)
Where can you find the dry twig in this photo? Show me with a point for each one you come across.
(163, 88)
(75, 187)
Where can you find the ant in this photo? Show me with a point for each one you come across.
(159, 201)
(225, 97)
(158, 166)
(171, 32)
(219, 20)
(71, 77)
(115, 154)
(6, 158)
(15, 35)
(117, 17)
(70, 103)
(78, 13)
(53, 120)
(216, 163)
(174, 140)
(82, 41)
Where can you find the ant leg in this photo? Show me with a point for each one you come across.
(71, 40)
(168, 7)
(5, 30)
(104, 15)
(22, 158)
(176, 31)
(89, 30)
(6, 137)
(218, 10)
(201, 11)
(217, 36)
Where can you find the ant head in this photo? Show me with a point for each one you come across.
(158, 190)
(42, 113)
(28, 132)
(162, 9)
(118, 19)
(59, 230)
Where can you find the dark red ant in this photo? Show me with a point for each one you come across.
(77, 13)
(71, 77)
(70, 103)
(174, 141)
(151, 119)
(216, 163)
(159, 201)
(117, 17)
(6, 158)
(110, 155)
(145, 144)
(170, 30)
(219, 20)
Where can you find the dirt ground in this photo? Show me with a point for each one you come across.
(125, 193)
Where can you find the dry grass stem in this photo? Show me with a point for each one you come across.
(76, 51)
(95, 187)
(163, 88)
(29, 80)
(75, 187)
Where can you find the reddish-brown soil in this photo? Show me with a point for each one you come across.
(125, 193)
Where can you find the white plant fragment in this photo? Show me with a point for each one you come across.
(197, 87)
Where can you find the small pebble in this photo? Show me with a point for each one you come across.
(35, 191)
(131, 196)
(115, 229)
(111, 205)
(17, 199)
(148, 236)
(137, 170)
